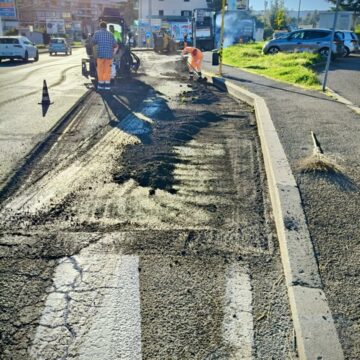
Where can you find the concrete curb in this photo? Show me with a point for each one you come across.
(344, 101)
(314, 326)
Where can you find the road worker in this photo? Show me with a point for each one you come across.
(117, 34)
(106, 45)
(194, 61)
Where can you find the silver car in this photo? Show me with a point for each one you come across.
(310, 40)
(351, 42)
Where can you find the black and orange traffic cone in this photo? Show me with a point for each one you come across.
(45, 101)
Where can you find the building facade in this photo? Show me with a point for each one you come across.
(175, 15)
(77, 16)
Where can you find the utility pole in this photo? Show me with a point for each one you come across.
(298, 16)
(222, 36)
(330, 47)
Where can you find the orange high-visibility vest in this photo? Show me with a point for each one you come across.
(195, 62)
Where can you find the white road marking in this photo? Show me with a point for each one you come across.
(238, 327)
(116, 330)
(92, 310)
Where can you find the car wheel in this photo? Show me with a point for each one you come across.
(273, 50)
(36, 58)
(346, 52)
(66, 53)
(50, 53)
(324, 52)
(26, 57)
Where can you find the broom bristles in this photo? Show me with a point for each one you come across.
(319, 163)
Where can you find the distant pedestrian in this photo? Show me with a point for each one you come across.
(195, 60)
(106, 44)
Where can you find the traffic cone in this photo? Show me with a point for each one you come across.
(45, 95)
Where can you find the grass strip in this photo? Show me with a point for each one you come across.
(292, 68)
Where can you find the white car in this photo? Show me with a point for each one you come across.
(17, 47)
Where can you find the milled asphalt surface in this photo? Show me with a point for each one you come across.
(331, 201)
(145, 231)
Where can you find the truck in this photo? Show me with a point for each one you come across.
(345, 20)
(203, 29)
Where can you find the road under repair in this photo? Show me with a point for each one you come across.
(144, 230)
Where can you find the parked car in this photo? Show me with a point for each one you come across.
(17, 47)
(59, 45)
(351, 42)
(311, 40)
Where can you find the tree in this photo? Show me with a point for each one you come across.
(280, 20)
(348, 5)
(277, 15)
(312, 18)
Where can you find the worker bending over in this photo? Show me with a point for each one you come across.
(194, 61)
(106, 45)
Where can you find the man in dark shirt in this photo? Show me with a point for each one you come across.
(106, 44)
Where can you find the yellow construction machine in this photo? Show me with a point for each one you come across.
(163, 42)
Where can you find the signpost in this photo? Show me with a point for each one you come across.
(330, 47)
(222, 36)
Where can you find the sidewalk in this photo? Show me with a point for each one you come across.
(331, 201)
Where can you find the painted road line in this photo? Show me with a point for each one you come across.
(92, 310)
(238, 326)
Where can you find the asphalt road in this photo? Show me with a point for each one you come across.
(145, 232)
(344, 78)
(22, 124)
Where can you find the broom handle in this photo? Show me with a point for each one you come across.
(317, 146)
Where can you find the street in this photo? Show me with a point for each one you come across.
(22, 125)
(344, 78)
(144, 229)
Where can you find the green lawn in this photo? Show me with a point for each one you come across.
(292, 68)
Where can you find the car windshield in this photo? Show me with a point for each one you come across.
(57, 41)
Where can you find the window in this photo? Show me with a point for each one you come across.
(186, 13)
(161, 12)
(309, 35)
(9, 41)
(297, 35)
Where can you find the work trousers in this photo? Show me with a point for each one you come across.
(104, 70)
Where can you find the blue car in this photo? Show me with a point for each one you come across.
(59, 45)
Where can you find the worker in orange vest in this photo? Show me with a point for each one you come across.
(194, 61)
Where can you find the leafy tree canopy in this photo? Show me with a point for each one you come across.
(348, 5)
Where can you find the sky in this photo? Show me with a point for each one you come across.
(294, 4)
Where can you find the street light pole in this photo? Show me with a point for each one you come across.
(222, 36)
(298, 16)
(330, 47)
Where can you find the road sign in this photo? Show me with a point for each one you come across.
(7, 8)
